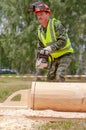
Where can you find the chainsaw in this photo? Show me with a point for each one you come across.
(43, 61)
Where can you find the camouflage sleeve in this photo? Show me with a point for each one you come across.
(61, 37)
(40, 45)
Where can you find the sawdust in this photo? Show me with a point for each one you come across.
(28, 119)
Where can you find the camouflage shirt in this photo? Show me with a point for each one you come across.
(60, 35)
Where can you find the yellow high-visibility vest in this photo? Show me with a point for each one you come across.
(51, 38)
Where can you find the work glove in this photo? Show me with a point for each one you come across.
(46, 51)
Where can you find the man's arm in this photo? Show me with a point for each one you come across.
(40, 45)
(61, 37)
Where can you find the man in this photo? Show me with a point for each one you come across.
(54, 41)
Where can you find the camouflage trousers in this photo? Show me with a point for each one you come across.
(59, 67)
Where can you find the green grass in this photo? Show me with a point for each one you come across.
(16, 98)
(67, 124)
(10, 85)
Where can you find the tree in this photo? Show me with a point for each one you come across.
(19, 30)
(18, 42)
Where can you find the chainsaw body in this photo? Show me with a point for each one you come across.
(42, 61)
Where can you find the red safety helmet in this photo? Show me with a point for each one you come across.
(42, 8)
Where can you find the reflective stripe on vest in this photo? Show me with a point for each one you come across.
(51, 39)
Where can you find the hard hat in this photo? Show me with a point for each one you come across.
(42, 8)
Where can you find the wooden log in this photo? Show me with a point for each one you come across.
(68, 97)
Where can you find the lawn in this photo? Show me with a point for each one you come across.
(66, 124)
(10, 85)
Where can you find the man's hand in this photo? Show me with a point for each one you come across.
(46, 51)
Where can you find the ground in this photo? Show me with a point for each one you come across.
(16, 115)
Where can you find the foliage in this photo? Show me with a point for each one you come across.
(18, 41)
